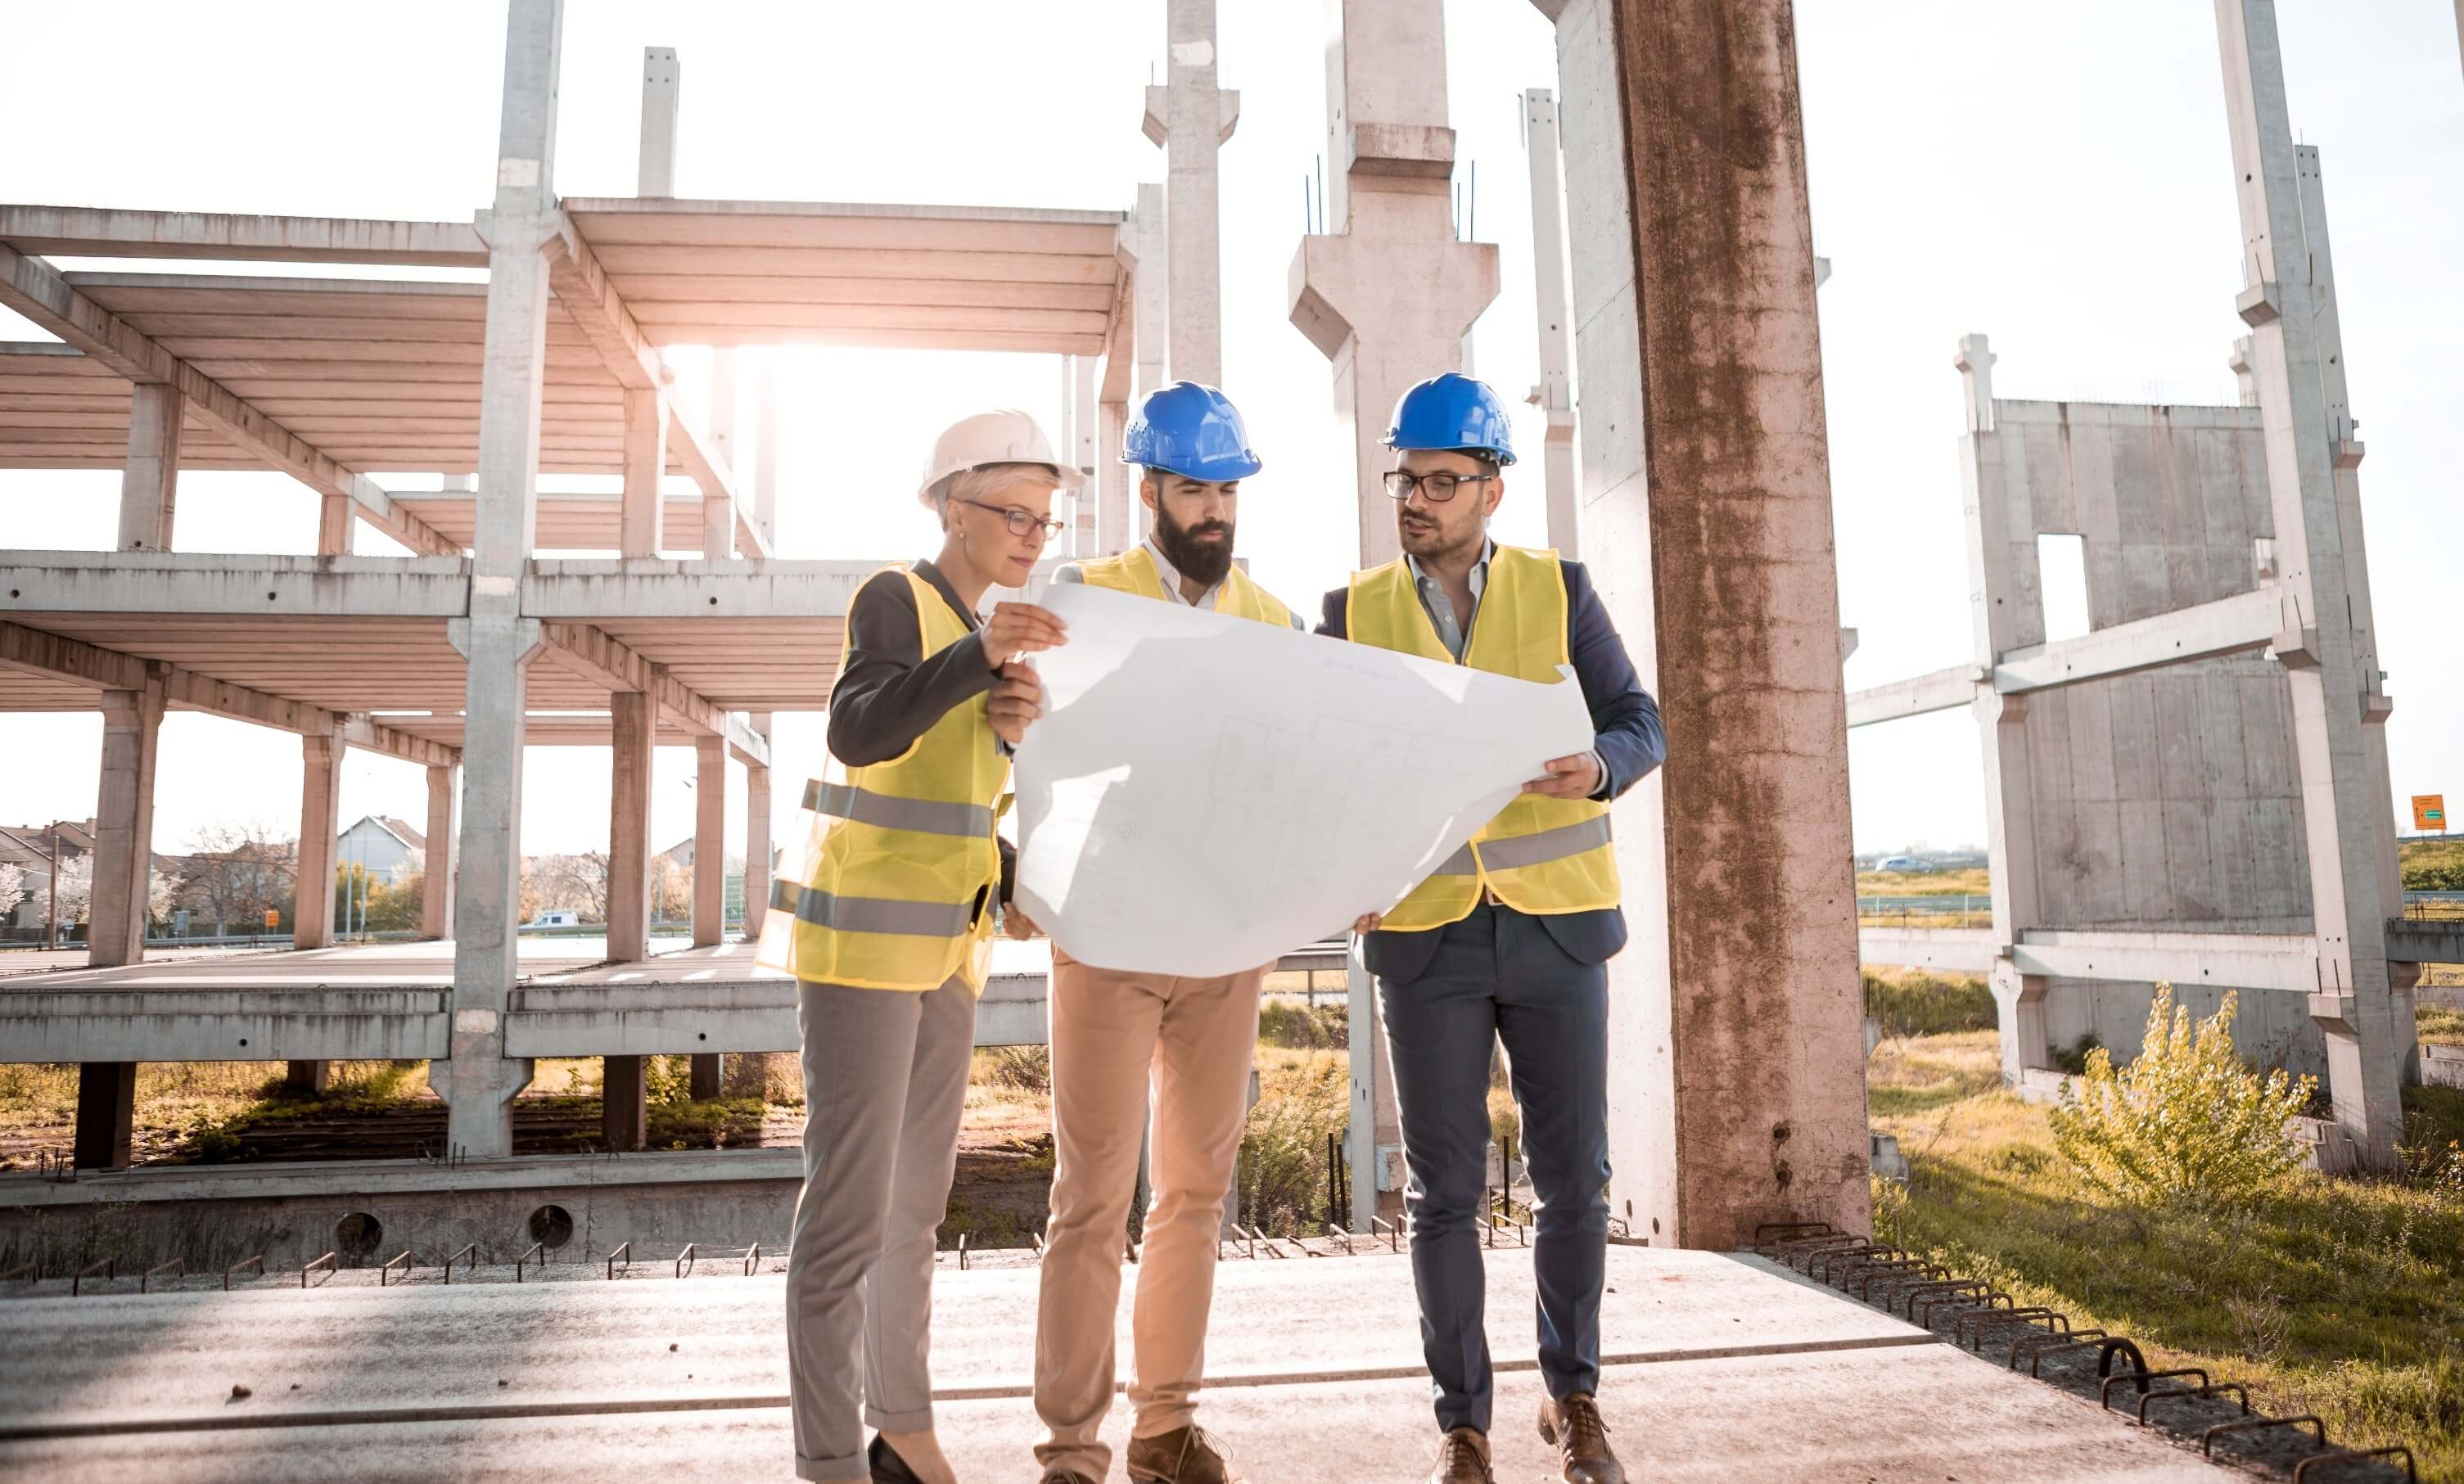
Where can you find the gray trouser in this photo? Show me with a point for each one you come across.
(885, 1084)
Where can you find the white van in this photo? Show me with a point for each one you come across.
(556, 920)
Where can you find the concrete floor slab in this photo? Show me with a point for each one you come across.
(1922, 1414)
(354, 1346)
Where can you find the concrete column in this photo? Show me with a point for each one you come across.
(2377, 706)
(1150, 327)
(2245, 380)
(436, 882)
(756, 835)
(629, 827)
(1191, 118)
(1554, 396)
(662, 78)
(337, 526)
(107, 1115)
(765, 452)
(1746, 1104)
(320, 803)
(478, 1079)
(1389, 294)
(642, 524)
(149, 483)
(1113, 521)
(2330, 666)
(717, 511)
(307, 1078)
(1373, 1136)
(1086, 439)
(625, 1109)
(124, 853)
(710, 842)
(2001, 567)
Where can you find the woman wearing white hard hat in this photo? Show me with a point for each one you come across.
(888, 924)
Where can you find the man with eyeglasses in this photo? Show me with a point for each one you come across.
(1510, 940)
(1116, 1031)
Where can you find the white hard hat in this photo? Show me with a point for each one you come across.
(1003, 436)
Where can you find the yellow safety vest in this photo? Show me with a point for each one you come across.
(901, 868)
(1133, 570)
(1540, 855)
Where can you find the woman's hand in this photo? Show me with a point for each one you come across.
(1016, 701)
(1018, 628)
(1017, 924)
(1366, 922)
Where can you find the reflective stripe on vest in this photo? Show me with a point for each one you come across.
(1133, 570)
(899, 862)
(918, 815)
(1539, 855)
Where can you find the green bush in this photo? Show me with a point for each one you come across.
(1301, 1027)
(1279, 1185)
(2073, 1058)
(1025, 1068)
(2186, 1120)
(2438, 876)
(1922, 1004)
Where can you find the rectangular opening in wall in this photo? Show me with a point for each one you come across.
(2061, 577)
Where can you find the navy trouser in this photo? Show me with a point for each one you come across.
(1498, 976)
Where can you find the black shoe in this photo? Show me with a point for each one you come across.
(888, 1468)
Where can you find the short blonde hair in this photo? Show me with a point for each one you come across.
(988, 484)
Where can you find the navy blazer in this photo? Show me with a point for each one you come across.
(1625, 723)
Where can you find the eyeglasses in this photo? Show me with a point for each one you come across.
(1440, 487)
(1021, 521)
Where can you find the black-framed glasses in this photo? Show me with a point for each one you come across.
(1440, 487)
(1022, 521)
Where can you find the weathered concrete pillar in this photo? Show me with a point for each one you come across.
(307, 1078)
(663, 78)
(1150, 329)
(479, 1081)
(336, 525)
(710, 842)
(756, 835)
(1086, 451)
(107, 1115)
(1114, 499)
(2325, 652)
(149, 483)
(642, 520)
(765, 452)
(624, 1107)
(1736, 1022)
(1554, 396)
(321, 804)
(2001, 567)
(1191, 118)
(635, 717)
(123, 845)
(717, 511)
(436, 880)
(2245, 380)
(1389, 294)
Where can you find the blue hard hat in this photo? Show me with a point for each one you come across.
(1194, 431)
(1452, 411)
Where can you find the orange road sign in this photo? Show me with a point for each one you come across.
(2429, 811)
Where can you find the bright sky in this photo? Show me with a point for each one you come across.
(2055, 176)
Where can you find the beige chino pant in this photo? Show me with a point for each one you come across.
(1111, 1032)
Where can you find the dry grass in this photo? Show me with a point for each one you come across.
(1971, 881)
(2345, 1297)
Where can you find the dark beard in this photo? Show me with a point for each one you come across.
(1202, 562)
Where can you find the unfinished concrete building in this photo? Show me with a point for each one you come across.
(2194, 791)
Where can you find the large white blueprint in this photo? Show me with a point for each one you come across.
(1205, 793)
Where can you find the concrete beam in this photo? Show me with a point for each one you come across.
(747, 1015)
(2413, 940)
(1944, 949)
(1941, 691)
(198, 1024)
(587, 590)
(2229, 626)
(36, 290)
(191, 582)
(589, 652)
(41, 653)
(88, 231)
(2237, 960)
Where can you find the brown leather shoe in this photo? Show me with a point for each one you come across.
(1574, 1428)
(1463, 1458)
(1064, 1476)
(1188, 1455)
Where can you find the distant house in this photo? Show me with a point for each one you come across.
(29, 846)
(389, 848)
